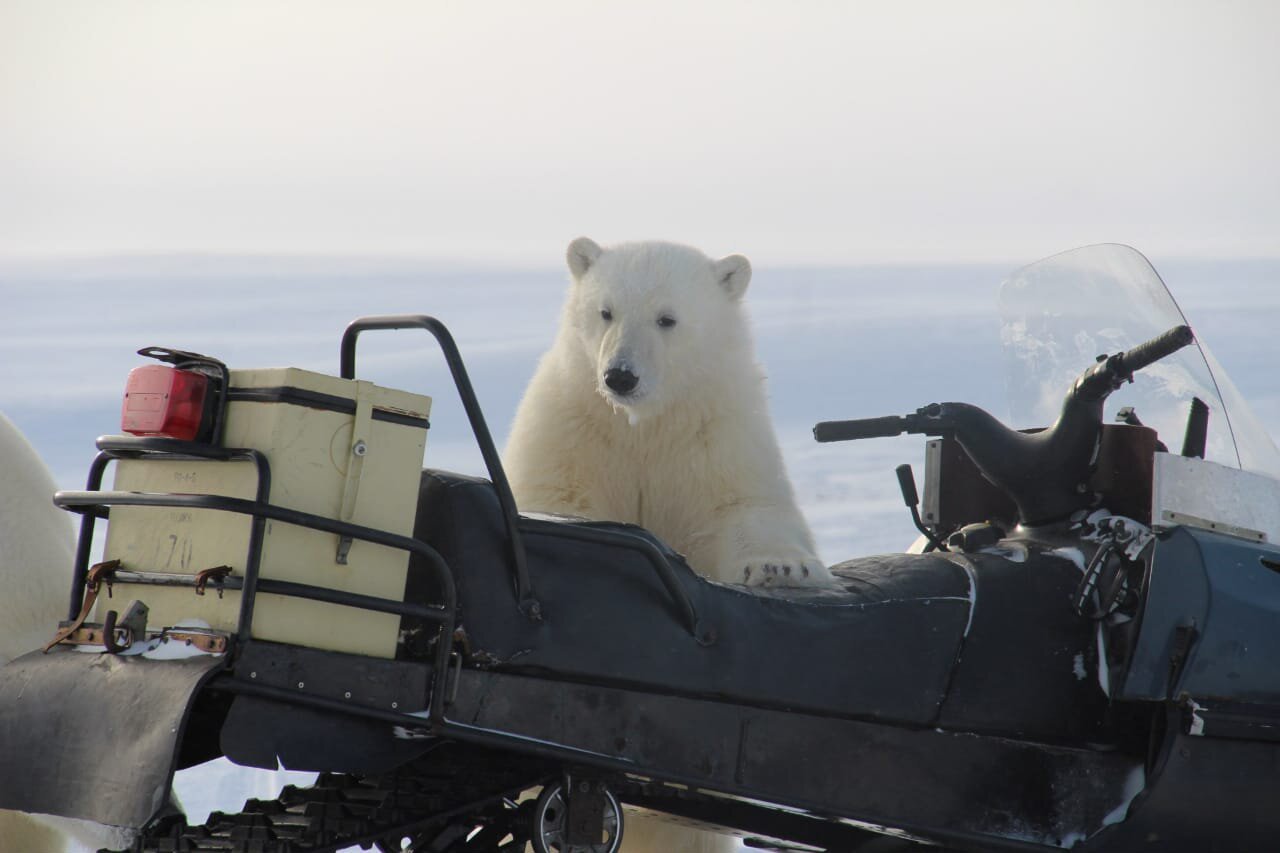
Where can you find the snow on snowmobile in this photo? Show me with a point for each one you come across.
(1080, 654)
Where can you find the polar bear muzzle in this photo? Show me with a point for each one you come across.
(620, 380)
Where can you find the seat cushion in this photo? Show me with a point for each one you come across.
(883, 646)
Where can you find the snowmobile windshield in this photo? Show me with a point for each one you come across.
(1059, 314)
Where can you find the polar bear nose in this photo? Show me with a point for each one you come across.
(620, 380)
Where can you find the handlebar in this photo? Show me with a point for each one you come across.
(860, 428)
(1044, 472)
(1159, 347)
(1111, 372)
(924, 421)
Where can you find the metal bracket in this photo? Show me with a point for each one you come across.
(119, 634)
(217, 574)
(96, 575)
(1188, 520)
(586, 803)
(360, 433)
(455, 670)
(212, 642)
(87, 634)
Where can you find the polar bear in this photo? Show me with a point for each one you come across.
(36, 555)
(36, 548)
(650, 408)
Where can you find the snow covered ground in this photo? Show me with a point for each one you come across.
(835, 342)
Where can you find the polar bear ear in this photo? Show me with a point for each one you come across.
(733, 274)
(581, 255)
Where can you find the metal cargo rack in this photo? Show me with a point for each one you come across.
(94, 503)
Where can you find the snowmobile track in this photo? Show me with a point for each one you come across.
(431, 802)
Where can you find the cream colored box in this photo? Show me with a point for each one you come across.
(343, 449)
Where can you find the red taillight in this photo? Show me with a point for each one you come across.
(164, 401)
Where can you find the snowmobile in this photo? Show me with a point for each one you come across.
(1078, 654)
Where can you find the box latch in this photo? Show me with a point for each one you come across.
(360, 433)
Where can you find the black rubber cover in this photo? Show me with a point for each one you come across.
(96, 735)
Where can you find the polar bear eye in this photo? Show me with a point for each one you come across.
(666, 321)
(606, 314)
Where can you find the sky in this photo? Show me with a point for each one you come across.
(797, 133)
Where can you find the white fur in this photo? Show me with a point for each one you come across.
(36, 548)
(35, 584)
(647, 833)
(36, 554)
(690, 453)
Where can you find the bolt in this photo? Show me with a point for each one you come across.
(360, 448)
(253, 675)
(301, 685)
(347, 695)
(395, 705)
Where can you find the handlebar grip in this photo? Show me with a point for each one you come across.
(860, 428)
(1157, 348)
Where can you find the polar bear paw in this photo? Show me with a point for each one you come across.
(786, 571)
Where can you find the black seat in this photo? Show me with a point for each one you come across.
(898, 623)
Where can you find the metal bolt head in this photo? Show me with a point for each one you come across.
(347, 695)
(360, 448)
(395, 705)
(301, 685)
(253, 675)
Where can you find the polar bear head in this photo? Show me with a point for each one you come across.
(656, 322)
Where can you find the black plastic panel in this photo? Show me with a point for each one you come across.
(1026, 632)
(264, 733)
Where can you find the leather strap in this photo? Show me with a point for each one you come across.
(98, 573)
